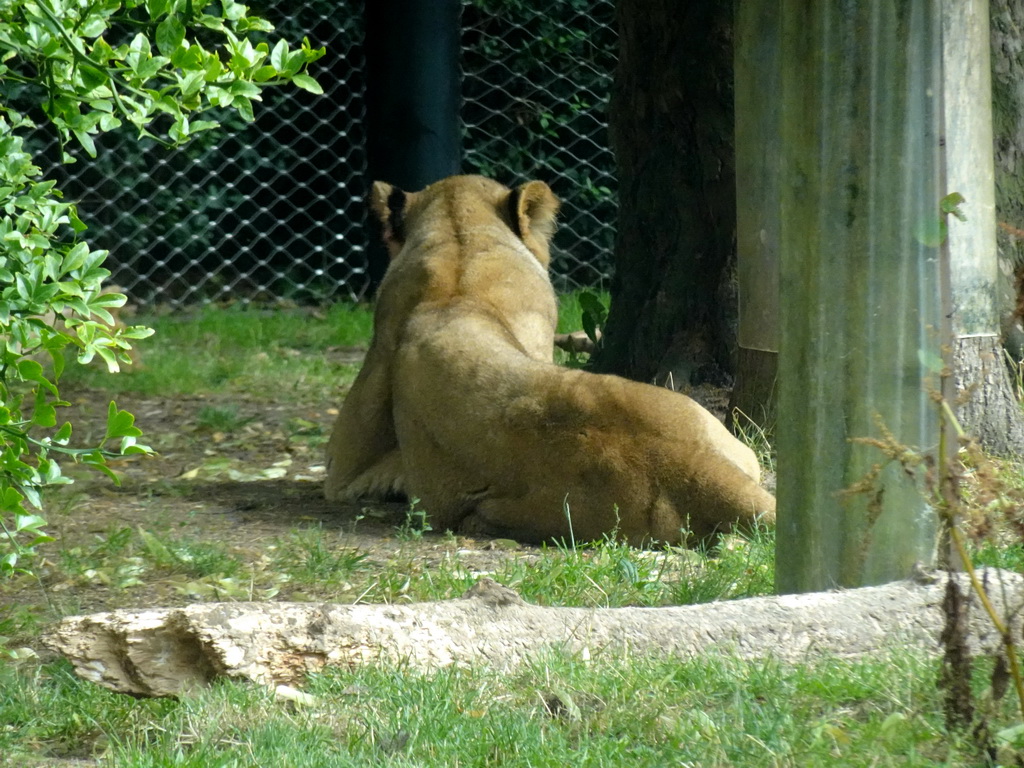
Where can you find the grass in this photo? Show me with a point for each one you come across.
(253, 350)
(570, 314)
(240, 350)
(560, 710)
(607, 711)
(310, 558)
(220, 418)
(557, 711)
(757, 437)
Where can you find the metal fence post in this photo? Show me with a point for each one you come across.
(412, 96)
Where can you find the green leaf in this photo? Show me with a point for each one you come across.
(86, 141)
(951, 202)
(192, 83)
(589, 326)
(279, 56)
(139, 48)
(43, 413)
(108, 357)
(109, 123)
(156, 8)
(263, 74)
(63, 434)
(307, 83)
(108, 300)
(234, 11)
(213, 69)
(242, 88)
(244, 107)
(169, 35)
(1012, 736)
(591, 304)
(102, 52)
(30, 370)
(28, 523)
(179, 129)
(137, 332)
(97, 462)
(76, 223)
(58, 362)
(594, 314)
(188, 57)
(312, 54)
(11, 501)
(92, 78)
(120, 423)
(94, 26)
(74, 258)
(203, 125)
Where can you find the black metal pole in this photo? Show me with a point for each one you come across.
(412, 95)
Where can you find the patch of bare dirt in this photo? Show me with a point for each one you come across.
(238, 472)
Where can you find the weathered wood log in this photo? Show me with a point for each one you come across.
(577, 342)
(167, 652)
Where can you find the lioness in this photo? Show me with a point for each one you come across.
(460, 404)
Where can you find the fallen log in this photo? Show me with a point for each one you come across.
(577, 342)
(166, 652)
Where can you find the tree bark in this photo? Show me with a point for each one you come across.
(987, 404)
(167, 652)
(974, 39)
(1006, 25)
(1006, 22)
(758, 85)
(671, 127)
(753, 394)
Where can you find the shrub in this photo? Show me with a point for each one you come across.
(160, 66)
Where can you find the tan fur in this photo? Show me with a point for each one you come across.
(460, 404)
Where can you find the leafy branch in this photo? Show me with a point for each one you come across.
(161, 66)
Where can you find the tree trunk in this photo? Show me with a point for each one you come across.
(1002, 427)
(758, 85)
(169, 651)
(671, 127)
(753, 394)
(1007, 23)
(986, 401)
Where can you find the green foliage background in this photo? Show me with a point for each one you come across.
(536, 86)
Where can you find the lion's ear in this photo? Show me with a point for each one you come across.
(533, 208)
(388, 204)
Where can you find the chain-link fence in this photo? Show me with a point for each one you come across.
(271, 209)
(536, 80)
(274, 209)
